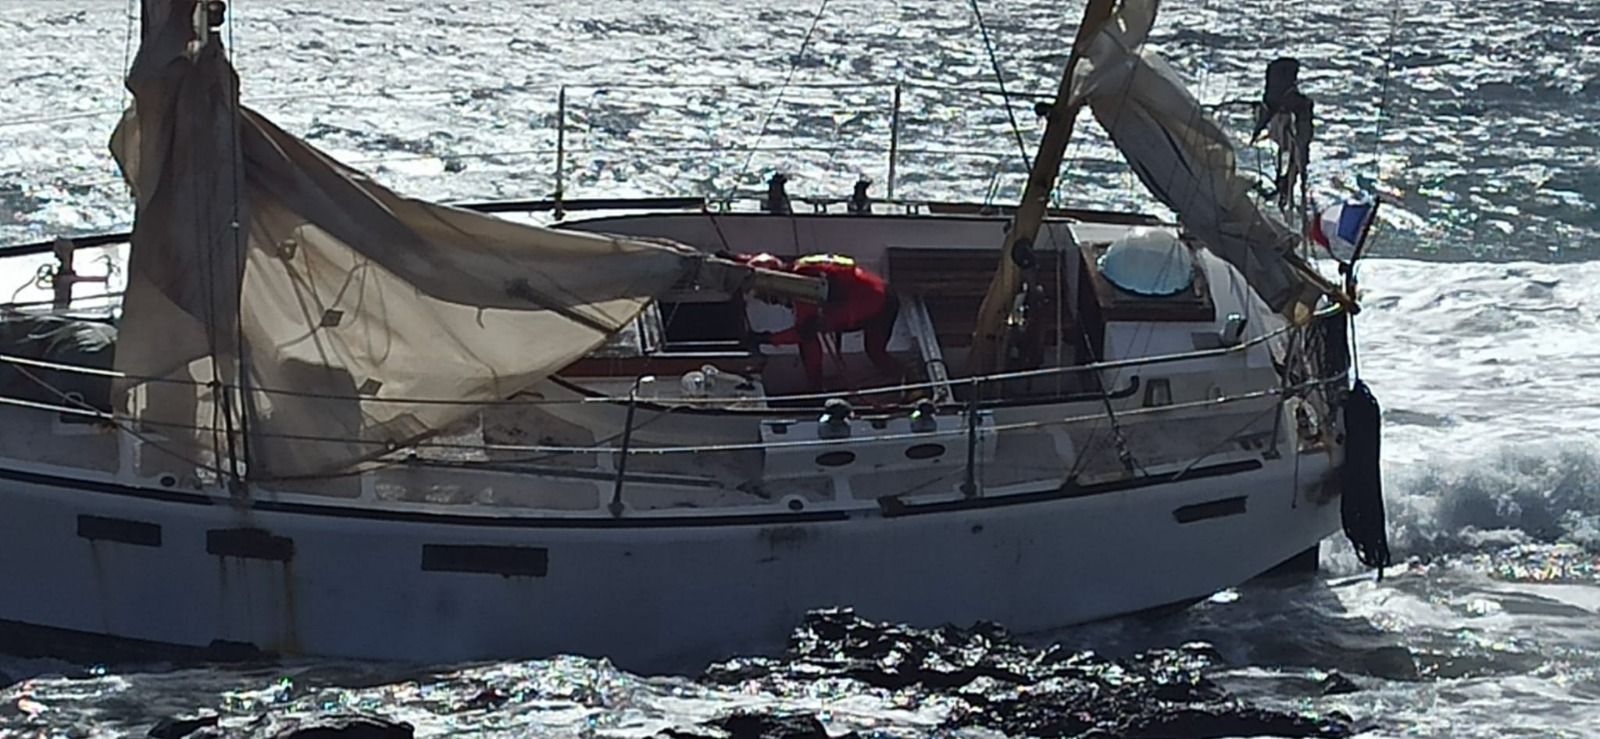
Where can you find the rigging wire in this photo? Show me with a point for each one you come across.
(79, 407)
(128, 18)
(241, 256)
(1000, 79)
(1377, 175)
(794, 65)
(1116, 430)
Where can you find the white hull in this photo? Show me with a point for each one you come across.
(1185, 476)
(397, 473)
(648, 593)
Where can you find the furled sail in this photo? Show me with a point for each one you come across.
(1186, 160)
(361, 320)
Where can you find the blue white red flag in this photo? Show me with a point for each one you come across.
(1342, 225)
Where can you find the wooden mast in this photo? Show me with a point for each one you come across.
(988, 339)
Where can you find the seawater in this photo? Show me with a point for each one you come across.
(1480, 333)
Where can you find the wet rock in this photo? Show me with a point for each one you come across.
(178, 728)
(346, 727)
(1337, 684)
(1228, 721)
(1003, 685)
(743, 725)
(758, 725)
(489, 698)
(1390, 663)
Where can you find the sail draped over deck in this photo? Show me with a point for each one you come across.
(359, 320)
(1186, 159)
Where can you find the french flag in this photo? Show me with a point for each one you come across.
(1342, 225)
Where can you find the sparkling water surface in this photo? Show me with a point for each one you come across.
(1481, 335)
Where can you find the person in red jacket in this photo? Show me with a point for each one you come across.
(858, 300)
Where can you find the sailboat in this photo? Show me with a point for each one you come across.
(332, 420)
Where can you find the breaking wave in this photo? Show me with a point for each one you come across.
(1513, 497)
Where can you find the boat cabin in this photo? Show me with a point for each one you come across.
(939, 266)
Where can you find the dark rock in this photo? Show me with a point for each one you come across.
(693, 732)
(487, 699)
(1391, 663)
(758, 725)
(1229, 721)
(1001, 684)
(1337, 684)
(178, 728)
(347, 727)
(744, 725)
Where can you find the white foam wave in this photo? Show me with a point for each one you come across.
(1472, 357)
(1489, 377)
(1515, 496)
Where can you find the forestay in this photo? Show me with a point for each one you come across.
(1186, 160)
(341, 301)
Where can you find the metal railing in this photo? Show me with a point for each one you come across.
(971, 428)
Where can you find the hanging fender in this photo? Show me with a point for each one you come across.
(1361, 506)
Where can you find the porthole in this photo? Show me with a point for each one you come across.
(836, 459)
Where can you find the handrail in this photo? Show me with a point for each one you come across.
(962, 430)
(1117, 364)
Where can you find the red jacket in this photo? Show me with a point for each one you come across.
(854, 295)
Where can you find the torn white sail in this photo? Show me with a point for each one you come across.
(363, 320)
(1186, 160)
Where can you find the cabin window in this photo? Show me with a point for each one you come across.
(703, 326)
(640, 337)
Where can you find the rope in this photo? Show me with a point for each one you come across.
(1000, 78)
(794, 65)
